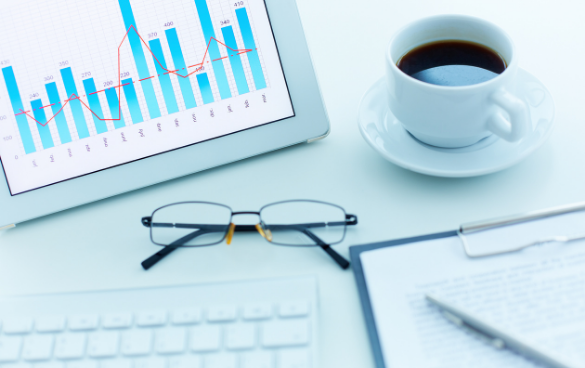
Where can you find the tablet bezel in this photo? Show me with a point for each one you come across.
(309, 123)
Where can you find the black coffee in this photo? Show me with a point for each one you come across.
(452, 63)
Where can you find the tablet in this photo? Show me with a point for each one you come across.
(101, 97)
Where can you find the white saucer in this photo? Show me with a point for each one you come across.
(385, 134)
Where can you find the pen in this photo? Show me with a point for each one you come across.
(495, 336)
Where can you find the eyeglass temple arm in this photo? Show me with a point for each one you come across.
(147, 222)
(338, 258)
(158, 256)
(350, 220)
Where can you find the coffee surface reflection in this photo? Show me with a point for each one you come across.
(452, 63)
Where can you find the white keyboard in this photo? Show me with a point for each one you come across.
(257, 324)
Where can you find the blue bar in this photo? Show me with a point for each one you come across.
(249, 43)
(60, 119)
(139, 59)
(205, 88)
(179, 62)
(114, 104)
(208, 32)
(163, 76)
(132, 101)
(76, 109)
(235, 61)
(95, 106)
(18, 108)
(42, 125)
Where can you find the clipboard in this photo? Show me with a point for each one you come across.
(360, 279)
(357, 250)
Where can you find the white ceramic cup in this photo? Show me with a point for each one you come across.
(453, 117)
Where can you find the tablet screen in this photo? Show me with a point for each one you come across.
(88, 85)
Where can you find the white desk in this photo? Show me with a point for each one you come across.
(100, 246)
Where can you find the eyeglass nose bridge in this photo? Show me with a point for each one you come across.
(260, 227)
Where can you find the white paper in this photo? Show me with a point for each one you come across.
(538, 293)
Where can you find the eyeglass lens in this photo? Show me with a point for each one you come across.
(304, 223)
(190, 224)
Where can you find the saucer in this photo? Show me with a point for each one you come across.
(382, 130)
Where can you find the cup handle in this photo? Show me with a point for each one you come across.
(519, 124)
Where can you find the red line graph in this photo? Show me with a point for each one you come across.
(167, 71)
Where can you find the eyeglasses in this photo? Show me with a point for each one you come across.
(300, 223)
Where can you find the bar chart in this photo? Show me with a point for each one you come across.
(89, 97)
(90, 85)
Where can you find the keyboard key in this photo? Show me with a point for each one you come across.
(83, 322)
(82, 364)
(151, 319)
(294, 309)
(50, 324)
(222, 313)
(116, 363)
(186, 316)
(297, 358)
(70, 346)
(260, 359)
(150, 363)
(240, 336)
(205, 338)
(17, 365)
(49, 365)
(136, 343)
(18, 325)
(221, 361)
(258, 311)
(117, 320)
(103, 344)
(285, 333)
(185, 362)
(10, 348)
(38, 347)
(171, 341)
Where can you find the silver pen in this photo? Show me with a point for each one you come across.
(495, 336)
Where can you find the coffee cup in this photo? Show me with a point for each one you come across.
(448, 116)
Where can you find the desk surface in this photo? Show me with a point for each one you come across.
(100, 246)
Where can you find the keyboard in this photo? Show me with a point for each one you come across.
(255, 324)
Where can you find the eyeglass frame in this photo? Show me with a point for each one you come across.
(231, 228)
